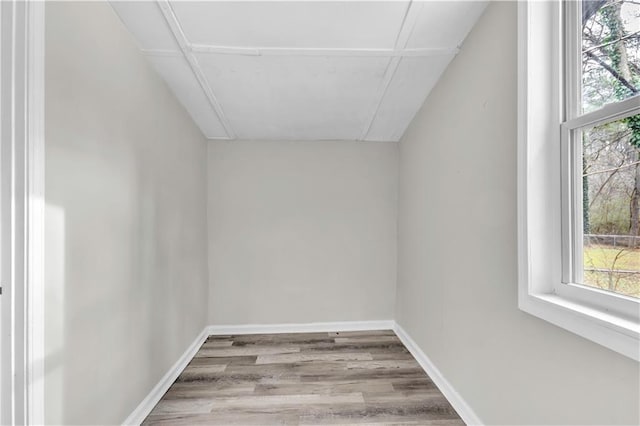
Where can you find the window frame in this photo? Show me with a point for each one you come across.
(549, 96)
(572, 224)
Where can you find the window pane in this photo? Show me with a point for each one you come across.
(610, 51)
(611, 206)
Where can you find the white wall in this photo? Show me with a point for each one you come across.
(457, 255)
(301, 231)
(126, 269)
(297, 232)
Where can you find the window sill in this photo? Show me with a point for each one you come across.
(616, 333)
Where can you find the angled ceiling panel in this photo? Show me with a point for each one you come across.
(444, 23)
(301, 24)
(412, 82)
(145, 21)
(301, 70)
(176, 72)
(294, 97)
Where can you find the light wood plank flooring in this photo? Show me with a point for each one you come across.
(304, 379)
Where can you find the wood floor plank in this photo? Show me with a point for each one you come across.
(201, 372)
(329, 370)
(219, 337)
(325, 388)
(389, 421)
(383, 364)
(371, 347)
(205, 368)
(363, 333)
(281, 337)
(413, 384)
(191, 406)
(398, 373)
(199, 390)
(246, 351)
(223, 419)
(368, 339)
(235, 360)
(391, 354)
(370, 414)
(350, 378)
(261, 401)
(306, 357)
(217, 343)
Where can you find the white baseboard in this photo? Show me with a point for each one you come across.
(142, 411)
(311, 327)
(460, 405)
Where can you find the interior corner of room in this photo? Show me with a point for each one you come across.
(189, 192)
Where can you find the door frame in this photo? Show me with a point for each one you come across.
(22, 212)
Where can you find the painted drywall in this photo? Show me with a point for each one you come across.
(301, 231)
(457, 282)
(126, 272)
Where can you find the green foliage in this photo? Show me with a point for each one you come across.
(611, 78)
(634, 124)
(610, 18)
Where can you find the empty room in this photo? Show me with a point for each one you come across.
(320, 212)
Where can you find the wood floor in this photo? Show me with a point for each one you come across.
(303, 379)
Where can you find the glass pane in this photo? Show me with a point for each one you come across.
(610, 51)
(611, 206)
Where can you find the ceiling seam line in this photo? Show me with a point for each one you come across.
(404, 20)
(392, 67)
(241, 51)
(181, 39)
(394, 63)
(285, 51)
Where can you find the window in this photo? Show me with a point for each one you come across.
(579, 168)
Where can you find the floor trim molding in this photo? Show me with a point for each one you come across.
(455, 399)
(312, 327)
(144, 408)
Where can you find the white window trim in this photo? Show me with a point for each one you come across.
(540, 248)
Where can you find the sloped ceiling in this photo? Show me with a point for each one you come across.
(301, 70)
